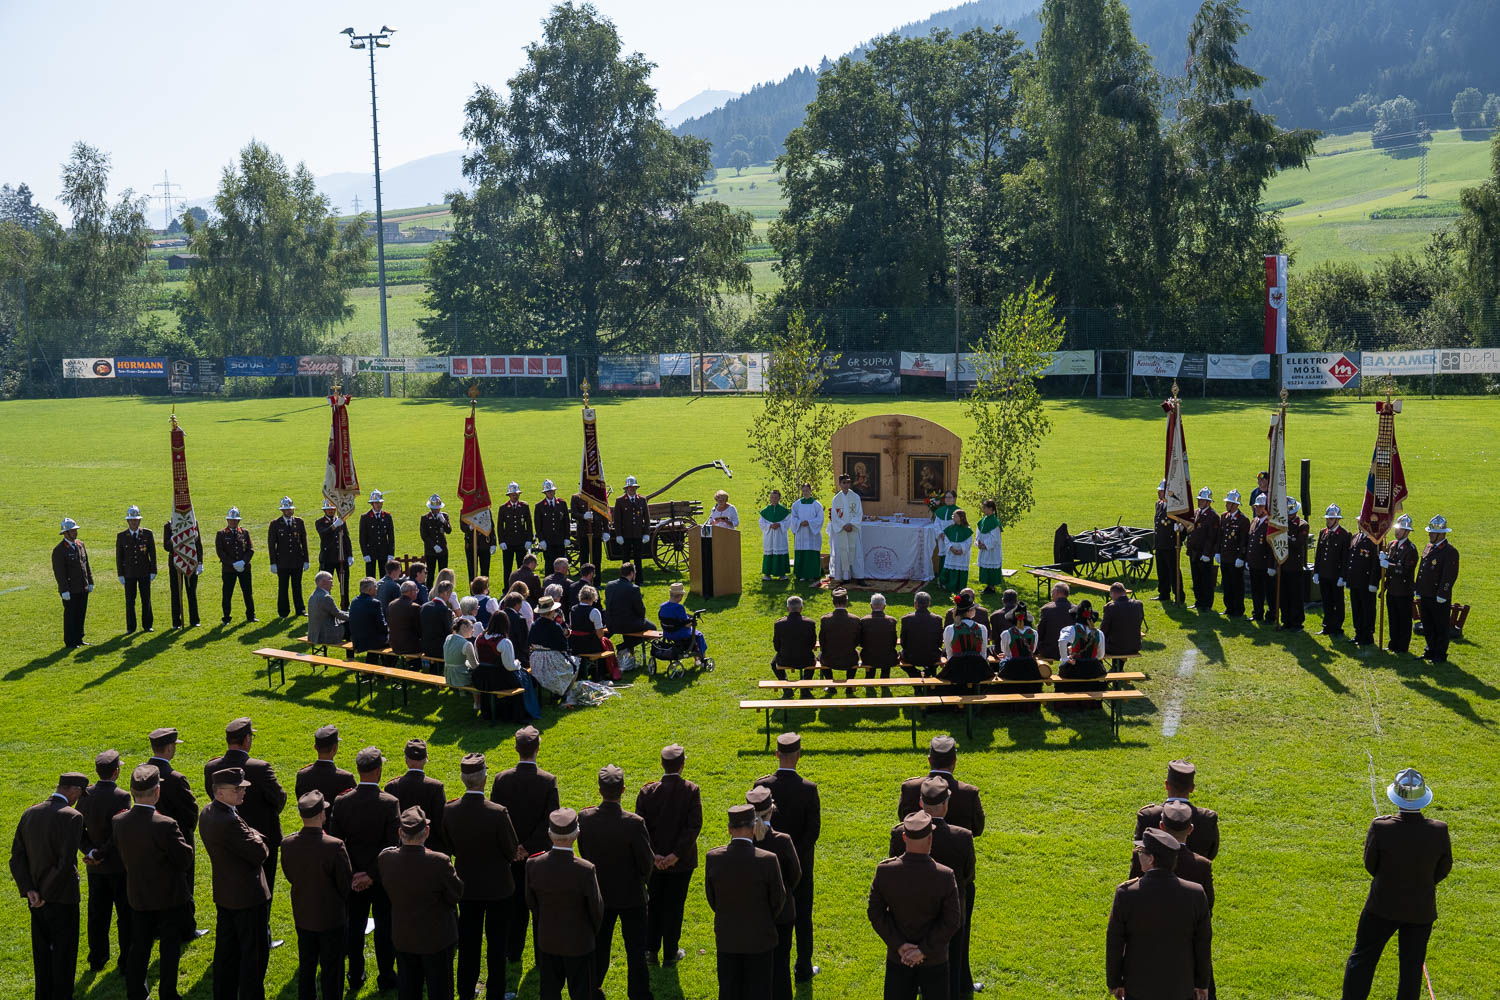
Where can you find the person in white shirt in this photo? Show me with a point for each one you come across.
(845, 516)
(1080, 649)
(807, 538)
(723, 514)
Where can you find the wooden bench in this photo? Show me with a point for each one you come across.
(1043, 574)
(931, 682)
(917, 702)
(1456, 617)
(277, 659)
(1112, 698)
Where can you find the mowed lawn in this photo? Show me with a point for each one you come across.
(1280, 727)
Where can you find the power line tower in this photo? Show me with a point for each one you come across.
(356, 204)
(1422, 174)
(166, 198)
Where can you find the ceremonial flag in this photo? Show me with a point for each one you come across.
(472, 488)
(1179, 498)
(1385, 488)
(340, 482)
(184, 522)
(1277, 515)
(591, 484)
(1275, 303)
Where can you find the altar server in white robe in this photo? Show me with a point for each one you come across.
(845, 517)
(987, 540)
(807, 536)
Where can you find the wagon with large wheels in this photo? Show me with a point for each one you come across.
(1119, 552)
(671, 521)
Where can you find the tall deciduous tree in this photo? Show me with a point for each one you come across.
(1478, 233)
(1010, 421)
(583, 233)
(274, 268)
(789, 437)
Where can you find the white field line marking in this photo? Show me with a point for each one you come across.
(12, 590)
(1171, 718)
(1372, 700)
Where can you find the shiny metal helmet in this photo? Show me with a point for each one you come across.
(1409, 790)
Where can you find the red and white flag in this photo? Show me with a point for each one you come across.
(184, 522)
(340, 482)
(1179, 499)
(1275, 303)
(472, 487)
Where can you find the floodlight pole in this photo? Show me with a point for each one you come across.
(371, 42)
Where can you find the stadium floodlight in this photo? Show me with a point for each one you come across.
(347, 31)
(386, 30)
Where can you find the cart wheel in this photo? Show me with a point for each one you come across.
(669, 543)
(650, 666)
(708, 664)
(1138, 569)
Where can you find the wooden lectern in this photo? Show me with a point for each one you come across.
(713, 561)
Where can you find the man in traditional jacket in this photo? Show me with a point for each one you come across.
(1329, 561)
(1436, 575)
(75, 581)
(434, 527)
(1399, 561)
(377, 535)
(135, 565)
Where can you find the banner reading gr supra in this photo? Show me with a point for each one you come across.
(1320, 371)
(860, 374)
(623, 372)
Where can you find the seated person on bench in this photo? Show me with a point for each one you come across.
(1054, 616)
(404, 615)
(1121, 621)
(551, 665)
(586, 632)
(367, 627)
(624, 608)
(1004, 616)
(1080, 650)
(838, 639)
(1017, 651)
(793, 638)
(676, 623)
(498, 669)
(325, 622)
(921, 637)
(877, 639)
(981, 613)
(966, 644)
(459, 658)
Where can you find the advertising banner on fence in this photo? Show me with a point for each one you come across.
(676, 364)
(1470, 361)
(88, 367)
(1239, 366)
(1375, 363)
(1162, 363)
(427, 366)
(392, 366)
(285, 364)
(320, 364)
(862, 373)
(1070, 363)
(1194, 365)
(1320, 371)
(922, 365)
(963, 369)
(509, 366)
(728, 372)
(195, 375)
(140, 367)
(629, 371)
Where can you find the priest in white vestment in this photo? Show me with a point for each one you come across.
(845, 517)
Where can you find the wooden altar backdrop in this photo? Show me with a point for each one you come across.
(897, 461)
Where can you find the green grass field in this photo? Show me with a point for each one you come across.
(1279, 727)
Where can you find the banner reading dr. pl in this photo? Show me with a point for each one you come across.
(1319, 371)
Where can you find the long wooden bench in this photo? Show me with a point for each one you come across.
(1112, 698)
(785, 706)
(931, 682)
(277, 659)
(1043, 574)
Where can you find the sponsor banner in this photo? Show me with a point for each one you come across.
(1162, 363)
(739, 372)
(508, 366)
(140, 367)
(320, 364)
(676, 364)
(285, 364)
(1070, 363)
(1373, 363)
(195, 375)
(964, 369)
(1320, 371)
(88, 367)
(1469, 361)
(862, 373)
(1239, 366)
(1193, 366)
(922, 365)
(629, 371)
(427, 366)
(392, 366)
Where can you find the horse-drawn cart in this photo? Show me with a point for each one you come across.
(1118, 552)
(671, 521)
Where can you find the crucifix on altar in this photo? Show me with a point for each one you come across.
(895, 462)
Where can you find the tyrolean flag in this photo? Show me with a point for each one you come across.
(472, 488)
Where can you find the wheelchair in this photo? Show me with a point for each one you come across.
(674, 651)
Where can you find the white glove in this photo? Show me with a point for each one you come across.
(1271, 571)
(437, 548)
(1239, 564)
(89, 589)
(153, 578)
(619, 539)
(1217, 561)
(67, 596)
(200, 569)
(502, 547)
(273, 569)
(1373, 588)
(492, 549)
(1385, 561)
(645, 539)
(304, 567)
(528, 546)
(239, 566)
(336, 522)
(588, 515)
(1315, 578)
(1442, 600)
(541, 546)
(1341, 582)
(351, 560)
(1203, 559)
(122, 580)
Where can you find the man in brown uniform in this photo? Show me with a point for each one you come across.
(800, 812)
(914, 907)
(1436, 574)
(1201, 545)
(335, 553)
(484, 848)
(1164, 543)
(318, 868)
(237, 855)
(838, 639)
(1362, 574)
(767, 838)
(158, 863)
(673, 810)
(377, 535)
(177, 801)
(434, 527)
(552, 523)
(1159, 935)
(264, 800)
(921, 637)
(179, 585)
(75, 581)
(591, 528)
(415, 788)
(103, 801)
(235, 550)
(323, 775)
(562, 892)
(745, 891)
(424, 891)
(1177, 819)
(1399, 561)
(1408, 855)
(618, 845)
(952, 847)
(1181, 778)
(135, 565)
(366, 820)
(1262, 566)
(1330, 557)
(44, 863)
(877, 639)
(795, 639)
(513, 530)
(631, 524)
(530, 795)
(1234, 546)
(286, 548)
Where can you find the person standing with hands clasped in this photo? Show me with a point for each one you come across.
(135, 565)
(914, 907)
(424, 891)
(75, 581)
(318, 868)
(44, 863)
(1436, 574)
(745, 891)
(632, 526)
(434, 527)
(286, 541)
(235, 551)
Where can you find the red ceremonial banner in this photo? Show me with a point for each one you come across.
(591, 484)
(1385, 489)
(340, 482)
(1275, 342)
(184, 522)
(472, 487)
(1179, 497)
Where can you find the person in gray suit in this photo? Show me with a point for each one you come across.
(325, 620)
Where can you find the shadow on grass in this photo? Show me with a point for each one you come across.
(1420, 675)
(38, 663)
(131, 657)
(1309, 654)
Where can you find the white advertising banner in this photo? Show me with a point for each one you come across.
(1070, 363)
(88, 367)
(1239, 366)
(921, 364)
(1470, 361)
(1320, 371)
(1398, 362)
(1163, 363)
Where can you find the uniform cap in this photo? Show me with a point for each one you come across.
(369, 759)
(325, 736)
(233, 515)
(1333, 511)
(742, 815)
(611, 778)
(144, 778)
(630, 481)
(1439, 525)
(548, 485)
(1160, 844)
(435, 502)
(72, 779)
(68, 524)
(788, 743)
(286, 504)
(238, 728)
(1233, 496)
(376, 497)
(132, 513)
(1409, 790)
(328, 504)
(1404, 521)
(106, 762)
(528, 738)
(917, 825)
(943, 744)
(1176, 817)
(1205, 494)
(935, 791)
(1181, 772)
(229, 776)
(761, 798)
(416, 749)
(163, 736)
(310, 804)
(413, 820)
(562, 822)
(513, 488)
(1293, 507)
(672, 752)
(473, 763)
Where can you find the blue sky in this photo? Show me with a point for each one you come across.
(181, 87)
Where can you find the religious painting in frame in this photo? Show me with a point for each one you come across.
(863, 470)
(926, 476)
